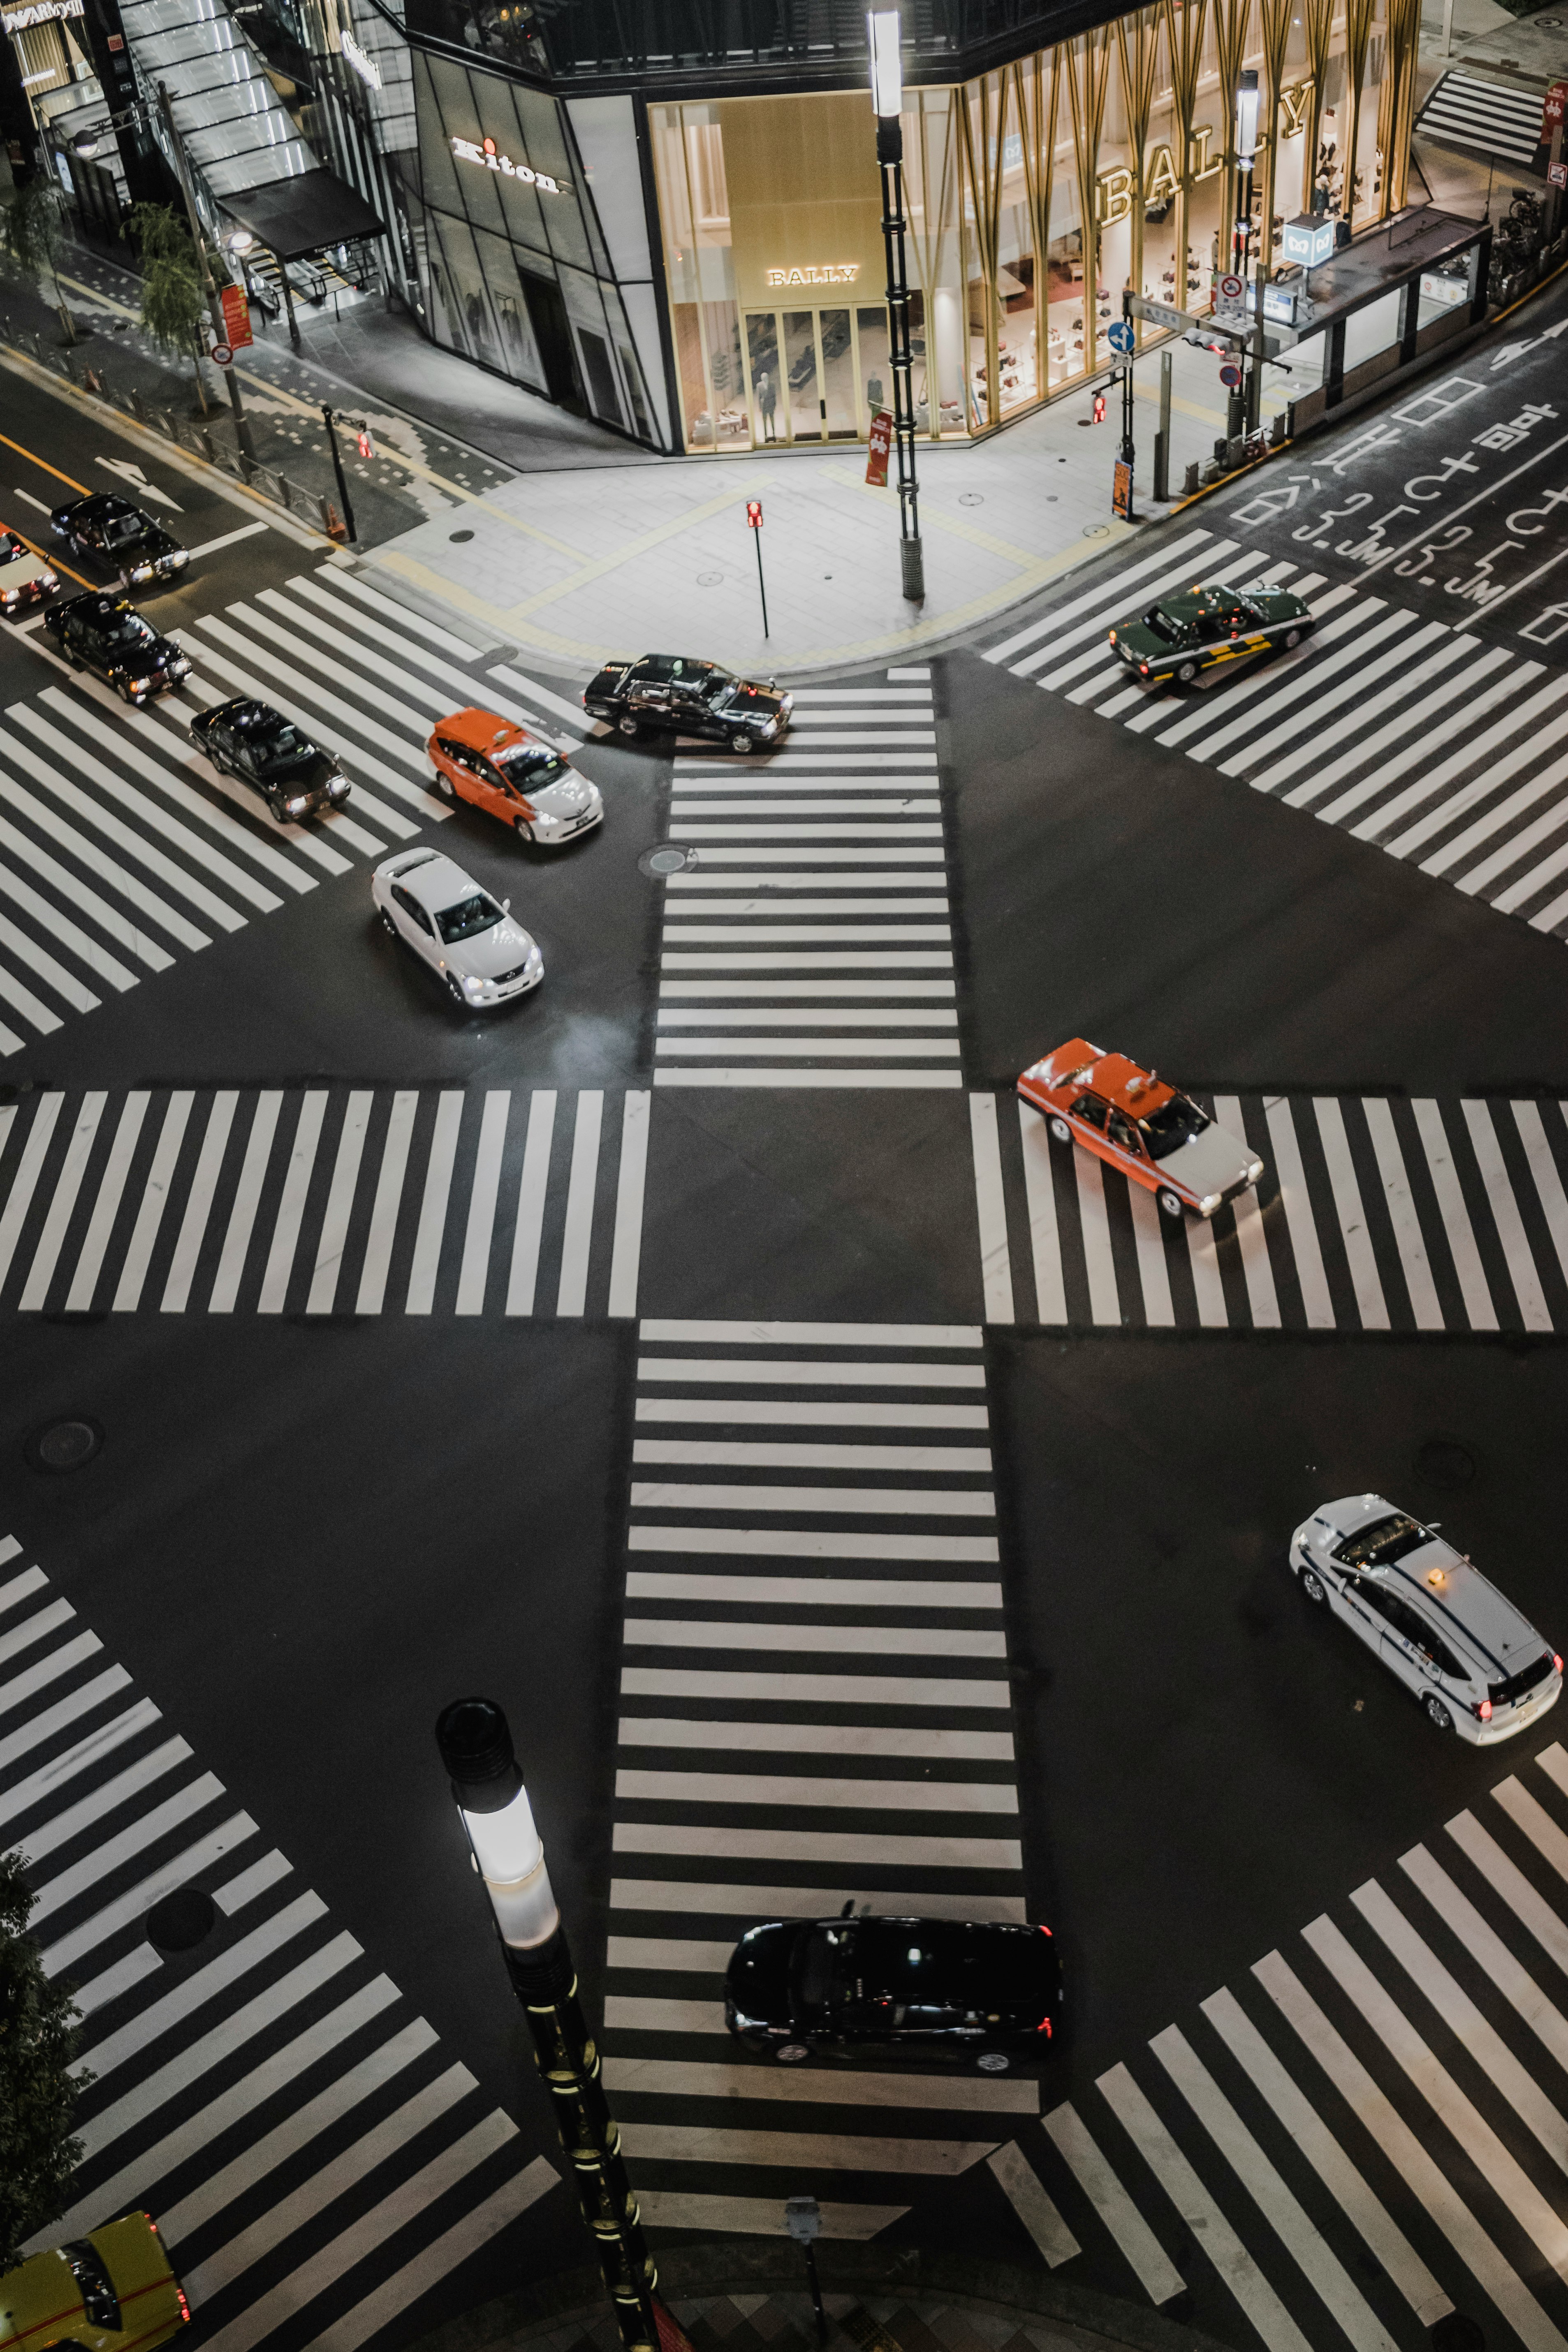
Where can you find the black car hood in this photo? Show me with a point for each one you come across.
(152, 540)
(140, 661)
(745, 701)
(312, 775)
(759, 1970)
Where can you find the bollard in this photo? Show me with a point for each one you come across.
(1190, 486)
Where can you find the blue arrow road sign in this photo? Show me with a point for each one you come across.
(1119, 335)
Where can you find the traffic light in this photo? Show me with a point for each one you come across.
(755, 513)
(1100, 408)
(366, 442)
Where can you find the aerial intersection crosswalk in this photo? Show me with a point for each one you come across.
(316, 2160)
(122, 850)
(1440, 747)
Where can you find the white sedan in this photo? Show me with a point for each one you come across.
(1437, 1624)
(433, 906)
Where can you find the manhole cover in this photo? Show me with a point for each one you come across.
(970, 499)
(1444, 1463)
(665, 861)
(459, 536)
(711, 580)
(1097, 531)
(1050, 497)
(67, 1444)
(182, 1920)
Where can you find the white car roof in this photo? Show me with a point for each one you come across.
(437, 881)
(1449, 1590)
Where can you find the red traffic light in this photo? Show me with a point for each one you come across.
(755, 513)
(366, 443)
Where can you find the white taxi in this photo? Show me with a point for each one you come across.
(475, 946)
(1477, 1666)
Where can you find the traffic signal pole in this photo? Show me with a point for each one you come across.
(754, 520)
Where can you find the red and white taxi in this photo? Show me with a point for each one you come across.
(512, 775)
(1154, 1134)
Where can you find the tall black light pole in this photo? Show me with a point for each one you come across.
(209, 284)
(329, 420)
(477, 1751)
(1246, 164)
(882, 33)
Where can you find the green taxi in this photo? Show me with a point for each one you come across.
(1207, 629)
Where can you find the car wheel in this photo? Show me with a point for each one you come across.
(993, 2061)
(444, 785)
(1061, 1130)
(1187, 672)
(740, 741)
(1173, 1204)
(790, 2053)
(627, 726)
(1292, 636)
(1314, 1588)
(386, 922)
(1437, 1714)
(524, 830)
(277, 809)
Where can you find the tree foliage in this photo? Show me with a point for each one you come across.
(171, 300)
(39, 2032)
(30, 228)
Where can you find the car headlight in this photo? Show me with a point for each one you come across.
(1210, 1202)
(473, 987)
(48, 580)
(770, 727)
(1254, 1170)
(9, 595)
(297, 806)
(338, 789)
(180, 558)
(142, 571)
(535, 961)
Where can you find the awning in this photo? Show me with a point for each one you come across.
(304, 214)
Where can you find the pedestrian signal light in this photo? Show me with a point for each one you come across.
(755, 513)
(1100, 408)
(366, 443)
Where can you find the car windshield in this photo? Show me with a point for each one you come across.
(1174, 1123)
(1384, 1543)
(1162, 624)
(11, 548)
(719, 688)
(282, 747)
(526, 766)
(123, 629)
(467, 917)
(118, 530)
(820, 1966)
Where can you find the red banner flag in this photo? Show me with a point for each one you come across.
(882, 441)
(237, 317)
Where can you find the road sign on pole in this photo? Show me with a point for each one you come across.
(1119, 335)
(221, 355)
(1230, 374)
(1231, 287)
(754, 522)
(1122, 489)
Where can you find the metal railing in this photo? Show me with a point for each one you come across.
(213, 441)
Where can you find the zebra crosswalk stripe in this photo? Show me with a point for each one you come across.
(284, 1992)
(122, 849)
(1374, 1214)
(322, 1201)
(1354, 724)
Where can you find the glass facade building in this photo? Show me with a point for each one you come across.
(666, 214)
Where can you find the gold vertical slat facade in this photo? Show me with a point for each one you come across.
(1319, 15)
(1087, 61)
(1358, 34)
(1185, 27)
(1230, 19)
(1274, 27)
(1138, 48)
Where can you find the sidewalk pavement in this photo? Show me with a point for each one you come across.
(752, 2297)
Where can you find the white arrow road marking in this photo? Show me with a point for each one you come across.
(138, 479)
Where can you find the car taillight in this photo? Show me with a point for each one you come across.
(1044, 2027)
(1485, 1710)
(1044, 1931)
(1556, 1661)
(1145, 667)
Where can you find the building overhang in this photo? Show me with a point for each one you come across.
(306, 214)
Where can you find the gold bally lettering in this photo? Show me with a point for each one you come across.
(838, 273)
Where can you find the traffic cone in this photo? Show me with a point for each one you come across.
(336, 528)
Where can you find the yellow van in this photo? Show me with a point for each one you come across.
(113, 2291)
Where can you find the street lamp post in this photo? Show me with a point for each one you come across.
(477, 1751)
(883, 33)
(209, 284)
(331, 425)
(1247, 161)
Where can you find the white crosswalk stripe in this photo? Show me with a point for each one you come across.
(322, 1201)
(121, 847)
(1354, 725)
(211, 2083)
(736, 1791)
(1356, 2137)
(1373, 1213)
(831, 862)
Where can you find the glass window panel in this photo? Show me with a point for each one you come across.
(800, 364)
(462, 292)
(514, 330)
(763, 352)
(437, 172)
(875, 374)
(837, 345)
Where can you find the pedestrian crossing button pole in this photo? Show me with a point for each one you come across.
(754, 522)
(476, 1748)
(802, 2218)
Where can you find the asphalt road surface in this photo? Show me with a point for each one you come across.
(852, 1495)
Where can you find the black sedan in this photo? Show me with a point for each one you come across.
(665, 694)
(978, 1991)
(107, 636)
(256, 744)
(111, 531)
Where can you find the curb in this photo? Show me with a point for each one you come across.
(1098, 2323)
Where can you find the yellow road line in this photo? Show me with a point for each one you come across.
(48, 468)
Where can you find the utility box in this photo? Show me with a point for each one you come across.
(1308, 240)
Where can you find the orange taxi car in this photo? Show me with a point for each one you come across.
(112, 2291)
(512, 775)
(1156, 1136)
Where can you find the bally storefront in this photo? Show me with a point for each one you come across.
(1035, 193)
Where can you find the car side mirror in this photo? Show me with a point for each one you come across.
(506, 906)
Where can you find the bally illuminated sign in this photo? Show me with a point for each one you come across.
(466, 151)
(41, 12)
(835, 273)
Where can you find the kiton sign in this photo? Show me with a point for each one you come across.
(466, 151)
